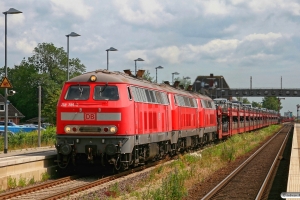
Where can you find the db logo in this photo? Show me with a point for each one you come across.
(90, 116)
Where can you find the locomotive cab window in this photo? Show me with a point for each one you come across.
(103, 92)
(129, 94)
(78, 92)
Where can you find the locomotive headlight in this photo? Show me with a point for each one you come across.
(93, 78)
(67, 129)
(113, 129)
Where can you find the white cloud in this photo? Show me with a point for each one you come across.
(91, 44)
(132, 55)
(75, 7)
(291, 6)
(25, 46)
(268, 36)
(230, 28)
(260, 6)
(143, 12)
(171, 54)
(236, 2)
(229, 58)
(261, 56)
(218, 45)
(215, 7)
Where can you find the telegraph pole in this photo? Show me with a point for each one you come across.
(39, 116)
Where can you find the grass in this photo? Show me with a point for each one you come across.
(172, 187)
(31, 181)
(11, 182)
(45, 176)
(172, 181)
(22, 182)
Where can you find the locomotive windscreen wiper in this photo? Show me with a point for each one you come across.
(103, 88)
(80, 90)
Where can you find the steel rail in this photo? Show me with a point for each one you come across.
(34, 188)
(272, 169)
(86, 186)
(238, 169)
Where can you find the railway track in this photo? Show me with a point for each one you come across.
(66, 186)
(250, 181)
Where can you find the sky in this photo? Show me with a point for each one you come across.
(236, 39)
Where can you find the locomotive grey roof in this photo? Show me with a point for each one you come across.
(104, 76)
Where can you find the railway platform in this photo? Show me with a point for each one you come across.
(293, 186)
(26, 164)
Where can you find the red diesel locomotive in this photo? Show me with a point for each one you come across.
(112, 118)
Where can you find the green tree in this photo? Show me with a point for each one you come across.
(271, 103)
(46, 68)
(255, 104)
(183, 81)
(51, 103)
(147, 76)
(243, 100)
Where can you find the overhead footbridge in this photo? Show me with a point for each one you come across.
(218, 87)
(263, 92)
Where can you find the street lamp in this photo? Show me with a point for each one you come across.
(159, 67)
(10, 11)
(72, 34)
(139, 59)
(176, 73)
(110, 49)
